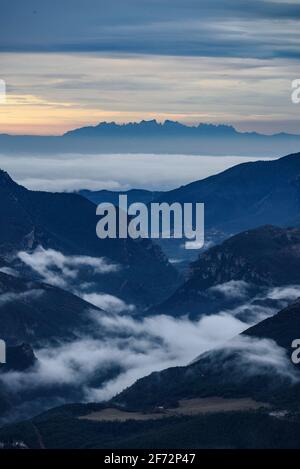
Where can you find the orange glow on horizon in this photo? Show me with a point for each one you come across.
(32, 115)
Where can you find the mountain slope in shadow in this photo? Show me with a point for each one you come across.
(255, 260)
(67, 223)
(246, 195)
(255, 364)
(36, 313)
(221, 373)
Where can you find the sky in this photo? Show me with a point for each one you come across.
(70, 63)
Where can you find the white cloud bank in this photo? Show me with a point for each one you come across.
(57, 269)
(124, 348)
(137, 347)
(63, 271)
(69, 172)
(131, 348)
(108, 302)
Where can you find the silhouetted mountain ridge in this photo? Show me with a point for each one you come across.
(154, 137)
(167, 127)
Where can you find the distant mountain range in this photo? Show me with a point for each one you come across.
(152, 127)
(153, 137)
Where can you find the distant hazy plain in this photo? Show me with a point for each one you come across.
(69, 172)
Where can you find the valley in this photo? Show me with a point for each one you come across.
(115, 323)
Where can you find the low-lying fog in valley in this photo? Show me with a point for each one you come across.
(125, 346)
(114, 172)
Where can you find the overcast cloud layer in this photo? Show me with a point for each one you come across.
(231, 28)
(69, 63)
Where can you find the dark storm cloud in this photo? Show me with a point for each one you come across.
(225, 28)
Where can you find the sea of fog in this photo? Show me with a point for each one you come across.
(69, 172)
